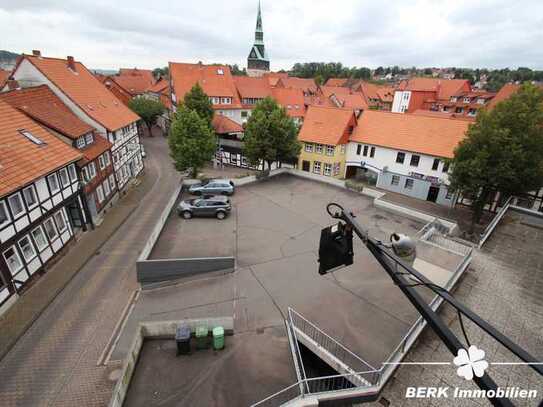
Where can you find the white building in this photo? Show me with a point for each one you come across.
(405, 153)
(91, 102)
(41, 203)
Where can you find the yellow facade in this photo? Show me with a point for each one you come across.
(323, 159)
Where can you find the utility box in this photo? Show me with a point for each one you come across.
(201, 337)
(218, 338)
(182, 339)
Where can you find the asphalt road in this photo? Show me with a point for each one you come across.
(56, 362)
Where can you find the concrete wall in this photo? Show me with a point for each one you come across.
(155, 271)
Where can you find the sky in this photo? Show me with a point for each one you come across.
(148, 34)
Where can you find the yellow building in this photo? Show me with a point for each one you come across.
(324, 137)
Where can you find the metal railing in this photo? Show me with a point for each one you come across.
(354, 362)
(492, 225)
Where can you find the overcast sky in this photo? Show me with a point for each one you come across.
(149, 33)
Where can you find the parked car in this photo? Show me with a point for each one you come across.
(217, 206)
(213, 186)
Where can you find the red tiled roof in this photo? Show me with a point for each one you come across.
(304, 84)
(159, 86)
(336, 82)
(445, 88)
(273, 77)
(434, 136)
(98, 147)
(504, 93)
(86, 91)
(185, 76)
(345, 96)
(45, 107)
(326, 125)
(136, 81)
(22, 161)
(249, 87)
(4, 75)
(290, 97)
(224, 125)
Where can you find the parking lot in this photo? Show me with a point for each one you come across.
(273, 232)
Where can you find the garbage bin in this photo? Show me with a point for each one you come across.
(182, 338)
(201, 337)
(218, 338)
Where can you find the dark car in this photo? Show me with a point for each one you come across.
(216, 206)
(213, 186)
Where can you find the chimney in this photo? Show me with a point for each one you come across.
(71, 63)
(36, 52)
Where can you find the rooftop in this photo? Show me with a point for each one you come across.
(291, 99)
(135, 80)
(23, 160)
(225, 125)
(445, 88)
(326, 125)
(252, 87)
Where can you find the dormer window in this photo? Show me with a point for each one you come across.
(453, 99)
(220, 71)
(466, 100)
(31, 137)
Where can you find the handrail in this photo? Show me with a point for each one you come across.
(494, 222)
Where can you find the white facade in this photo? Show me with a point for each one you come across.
(125, 140)
(401, 101)
(35, 223)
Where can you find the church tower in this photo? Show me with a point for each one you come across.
(257, 62)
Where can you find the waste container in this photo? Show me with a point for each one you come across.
(201, 337)
(218, 338)
(182, 338)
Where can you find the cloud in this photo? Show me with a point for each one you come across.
(363, 33)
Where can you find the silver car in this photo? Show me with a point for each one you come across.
(216, 206)
(213, 187)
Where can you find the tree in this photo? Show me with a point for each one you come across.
(503, 151)
(161, 72)
(192, 141)
(236, 71)
(270, 135)
(197, 100)
(148, 109)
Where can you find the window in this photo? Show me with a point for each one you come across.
(400, 158)
(60, 221)
(64, 180)
(409, 183)
(50, 229)
(30, 196)
(53, 182)
(445, 167)
(16, 204)
(342, 149)
(372, 152)
(308, 148)
(337, 167)
(330, 150)
(39, 238)
(244, 114)
(100, 194)
(318, 148)
(89, 138)
(317, 167)
(435, 164)
(92, 170)
(27, 249)
(72, 172)
(4, 217)
(358, 149)
(13, 260)
(112, 182)
(107, 189)
(395, 180)
(365, 154)
(327, 169)
(85, 172)
(415, 160)
(449, 194)
(106, 158)
(31, 137)
(101, 162)
(80, 143)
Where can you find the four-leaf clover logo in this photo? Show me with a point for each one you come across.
(471, 362)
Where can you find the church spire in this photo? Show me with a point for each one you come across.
(257, 62)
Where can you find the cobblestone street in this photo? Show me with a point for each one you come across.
(55, 363)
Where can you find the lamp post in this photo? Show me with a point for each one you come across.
(336, 250)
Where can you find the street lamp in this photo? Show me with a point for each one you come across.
(336, 250)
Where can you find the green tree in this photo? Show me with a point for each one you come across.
(192, 141)
(503, 151)
(196, 99)
(270, 135)
(161, 72)
(148, 109)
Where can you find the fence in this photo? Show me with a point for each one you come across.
(492, 225)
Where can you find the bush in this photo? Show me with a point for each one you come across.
(354, 186)
(263, 174)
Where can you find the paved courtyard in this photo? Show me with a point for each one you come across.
(273, 232)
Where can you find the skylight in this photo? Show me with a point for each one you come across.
(31, 137)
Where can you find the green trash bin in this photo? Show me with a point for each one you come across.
(218, 338)
(201, 337)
